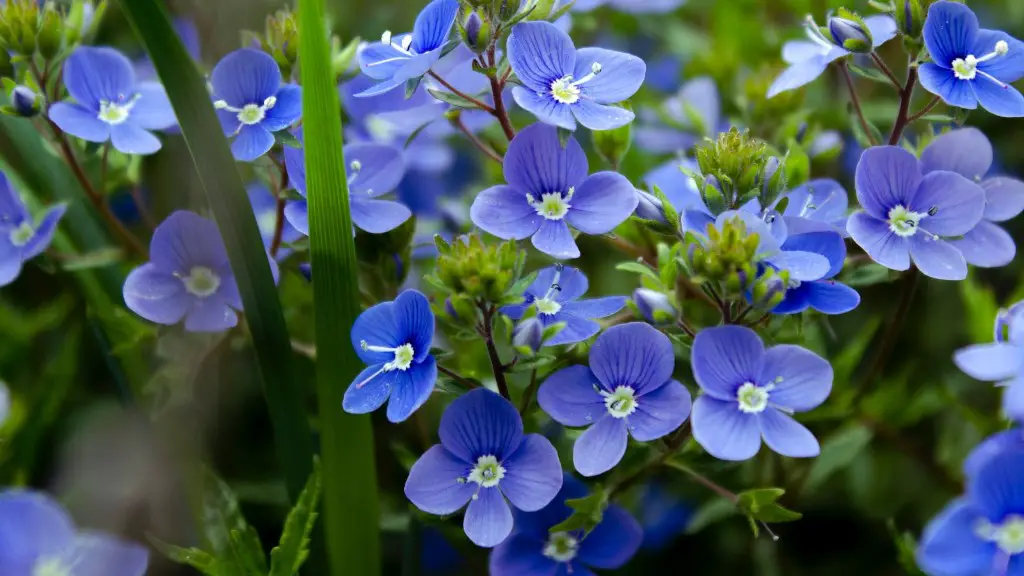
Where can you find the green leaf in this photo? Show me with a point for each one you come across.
(227, 197)
(452, 98)
(760, 504)
(286, 138)
(638, 268)
(710, 513)
(98, 259)
(587, 513)
(837, 452)
(906, 549)
(288, 556)
(561, 11)
(343, 59)
(194, 557)
(981, 307)
(350, 511)
(233, 541)
(613, 145)
(869, 73)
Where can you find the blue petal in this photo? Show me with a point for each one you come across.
(1009, 67)
(661, 139)
(1004, 198)
(621, 74)
(803, 266)
(950, 32)
(434, 482)
(966, 151)
(133, 139)
(576, 329)
(796, 300)
(830, 297)
(211, 314)
(411, 389)
(384, 87)
(659, 412)
(370, 389)
(942, 82)
(950, 546)
(378, 325)
(725, 357)
(570, 398)
(802, 379)
(152, 109)
(297, 214)
(536, 162)
(101, 555)
(937, 258)
(798, 75)
(887, 176)
(993, 362)
(185, 239)
(679, 188)
(504, 212)
(993, 447)
(533, 475)
(481, 423)
(433, 25)
(245, 76)
(44, 232)
(155, 295)
(286, 111)
(521, 554)
(700, 96)
(381, 169)
(600, 116)
(635, 355)
(12, 209)
(251, 143)
(987, 246)
(414, 322)
(545, 108)
(797, 51)
(596, 307)
(613, 542)
(378, 216)
(32, 526)
(602, 202)
(79, 122)
(540, 53)
(786, 436)
(571, 283)
(1000, 99)
(882, 27)
(10, 262)
(828, 244)
(876, 238)
(92, 75)
(488, 520)
(382, 61)
(996, 489)
(554, 239)
(723, 430)
(601, 446)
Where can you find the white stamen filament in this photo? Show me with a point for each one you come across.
(967, 68)
(566, 91)
(250, 114)
(552, 205)
(404, 355)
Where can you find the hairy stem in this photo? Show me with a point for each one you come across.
(528, 396)
(892, 332)
(476, 141)
(487, 331)
(475, 101)
(855, 100)
(454, 376)
(887, 71)
(907, 94)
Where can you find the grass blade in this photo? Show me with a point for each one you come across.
(227, 197)
(349, 476)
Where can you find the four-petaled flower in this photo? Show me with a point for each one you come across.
(548, 189)
(750, 393)
(628, 390)
(982, 532)
(971, 65)
(533, 550)
(373, 170)
(22, 239)
(188, 276)
(563, 85)
(264, 206)
(1001, 361)
(906, 215)
(110, 104)
(554, 293)
(252, 103)
(484, 458)
(397, 59)
(40, 539)
(393, 339)
(808, 59)
(969, 153)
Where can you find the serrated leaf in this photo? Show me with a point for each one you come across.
(288, 556)
(249, 551)
(194, 557)
(222, 518)
(587, 513)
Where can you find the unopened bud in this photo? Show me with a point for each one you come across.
(476, 31)
(910, 18)
(769, 290)
(307, 271)
(51, 33)
(655, 306)
(528, 335)
(650, 207)
(25, 102)
(850, 34)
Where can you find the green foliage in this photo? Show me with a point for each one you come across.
(288, 556)
(587, 512)
(613, 145)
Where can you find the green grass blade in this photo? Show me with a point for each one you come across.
(349, 476)
(227, 197)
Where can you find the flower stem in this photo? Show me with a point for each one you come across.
(476, 141)
(704, 481)
(531, 391)
(475, 101)
(497, 88)
(887, 71)
(454, 376)
(855, 100)
(927, 108)
(487, 331)
(906, 95)
(275, 244)
(893, 330)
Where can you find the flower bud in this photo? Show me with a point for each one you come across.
(850, 32)
(1010, 322)
(51, 33)
(528, 336)
(650, 208)
(910, 17)
(655, 306)
(306, 270)
(505, 9)
(24, 101)
(770, 289)
(475, 31)
(774, 183)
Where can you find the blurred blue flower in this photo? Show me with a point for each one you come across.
(555, 293)
(548, 189)
(695, 112)
(188, 277)
(397, 59)
(1007, 320)
(993, 447)
(808, 59)
(628, 390)
(971, 65)
(432, 194)
(1001, 362)
(822, 201)
(483, 459)
(563, 85)
(969, 153)
(631, 6)
(440, 558)
(189, 36)
(110, 104)
(264, 205)
(663, 515)
(750, 392)
(21, 238)
(5, 403)
(40, 539)
(251, 101)
(982, 532)
(533, 550)
(905, 216)
(373, 170)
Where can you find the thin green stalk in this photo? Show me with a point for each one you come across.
(350, 510)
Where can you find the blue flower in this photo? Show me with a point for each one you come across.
(982, 532)
(695, 111)
(22, 239)
(822, 201)
(906, 215)
(533, 550)
(971, 65)
(663, 515)
(5, 403)
(188, 277)
(110, 104)
(631, 6)
(251, 101)
(992, 447)
(563, 85)
(805, 262)
(189, 36)
(264, 205)
(373, 170)
(656, 307)
(397, 59)
(751, 392)
(393, 339)
(555, 292)
(808, 59)
(548, 189)
(628, 390)
(825, 294)
(483, 459)
(40, 538)
(969, 153)
(1001, 362)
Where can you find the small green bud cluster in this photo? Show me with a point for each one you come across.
(727, 256)
(27, 29)
(470, 269)
(280, 39)
(735, 169)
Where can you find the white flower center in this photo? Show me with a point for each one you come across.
(404, 355)
(753, 399)
(561, 547)
(250, 114)
(547, 306)
(201, 281)
(905, 222)
(967, 68)
(22, 234)
(552, 205)
(115, 113)
(50, 567)
(487, 472)
(565, 91)
(1008, 536)
(620, 403)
